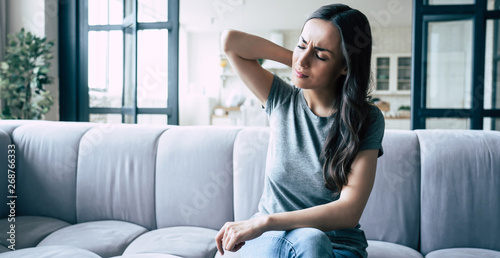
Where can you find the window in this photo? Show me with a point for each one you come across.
(454, 84)
(126, 67)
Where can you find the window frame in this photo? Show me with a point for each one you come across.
(73, 52)
(422, 15)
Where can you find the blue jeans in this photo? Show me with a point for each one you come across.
(297, 243)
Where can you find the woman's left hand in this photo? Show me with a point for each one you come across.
(232, 235)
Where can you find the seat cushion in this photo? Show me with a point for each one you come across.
(30, 230)
(380, 249)
(105, 238)
(181, 241)
(463, 253)
(147, 255)
(53, 251)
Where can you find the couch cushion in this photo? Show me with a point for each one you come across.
(463, 253)
(147, 255)
(393, 209)
(50, 252)
(46, 158)
(105, 238)
(116, 169)
(186, 242)
(460, 189)
(380, 249)
(10, 125)
(194, 177)
(30, 230)
(250, 152)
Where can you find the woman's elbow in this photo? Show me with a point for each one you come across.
(226, 38)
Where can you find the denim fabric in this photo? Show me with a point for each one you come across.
(297, 243)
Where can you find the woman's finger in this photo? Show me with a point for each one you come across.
(219, 239)
(231, 242)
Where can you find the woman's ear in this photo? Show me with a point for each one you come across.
(344, 71)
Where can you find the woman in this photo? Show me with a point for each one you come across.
(325, 139)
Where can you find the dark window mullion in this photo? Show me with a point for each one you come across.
(173, 62)
(417, 91)
(159, 111)
(104, 27)
(135, 27)
(478, 62)
(83, 90)
(156, 25)
(130, 22)
(448, 9)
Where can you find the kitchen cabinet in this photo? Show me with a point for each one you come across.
(392, 74)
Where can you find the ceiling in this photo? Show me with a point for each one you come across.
(272, 15)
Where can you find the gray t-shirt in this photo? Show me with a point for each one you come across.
(294, 173)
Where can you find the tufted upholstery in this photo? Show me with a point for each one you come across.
(102, 190)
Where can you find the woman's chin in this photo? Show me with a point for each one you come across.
(298, 83)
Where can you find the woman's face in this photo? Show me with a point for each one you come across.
(317, 58)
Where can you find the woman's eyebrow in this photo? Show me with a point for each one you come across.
(317, 48)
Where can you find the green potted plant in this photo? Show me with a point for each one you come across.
(23, 75)
(404, 111)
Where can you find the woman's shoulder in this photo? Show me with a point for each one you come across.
(376, 114)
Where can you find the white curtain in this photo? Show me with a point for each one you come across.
(3, 27)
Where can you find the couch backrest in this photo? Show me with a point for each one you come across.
(250, 154)
(393, 210)
(194, 176)
(46, 168)
(116, 173)
(460, 194)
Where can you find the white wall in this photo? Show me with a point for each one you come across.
(394, 40)
(40, 18)
(199, 76)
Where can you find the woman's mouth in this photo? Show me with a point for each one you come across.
(299, 74)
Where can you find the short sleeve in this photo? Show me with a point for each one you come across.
(372, 139)
(281, 92)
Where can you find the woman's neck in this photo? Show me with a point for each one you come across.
(321, 103)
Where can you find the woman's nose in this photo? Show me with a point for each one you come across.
(303, 60)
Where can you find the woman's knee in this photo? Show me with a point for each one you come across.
(310, 242)
(301, 242)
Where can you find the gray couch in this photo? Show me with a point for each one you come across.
(100, 190)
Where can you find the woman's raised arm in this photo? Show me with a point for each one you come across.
(243, 50)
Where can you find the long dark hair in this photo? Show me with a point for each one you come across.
(351, 93)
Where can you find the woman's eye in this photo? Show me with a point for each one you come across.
(320, 58)
(301, 47)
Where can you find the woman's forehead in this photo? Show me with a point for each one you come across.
(322, 33)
